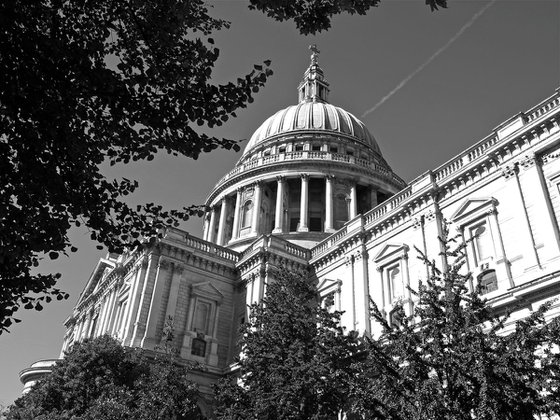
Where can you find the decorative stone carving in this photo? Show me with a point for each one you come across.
(509, 171)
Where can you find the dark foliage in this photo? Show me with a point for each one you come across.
(453, 359)
(83, 83)
(100, 379)
(296, 361)
(312, 16)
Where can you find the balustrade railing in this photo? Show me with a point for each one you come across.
(208, 247)
(299, 155)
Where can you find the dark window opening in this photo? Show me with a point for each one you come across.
(395, 318)
(299, 147)
(198, 347)
(282, 149)
(294, 221)
(316, 147)
(350, 152)
(333, 149)
(315, 224)
(488, 282)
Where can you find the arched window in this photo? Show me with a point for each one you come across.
(247, 214)
(488, 282)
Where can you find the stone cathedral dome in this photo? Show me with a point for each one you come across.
(313, 116)
(305, 172)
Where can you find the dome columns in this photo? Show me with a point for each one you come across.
(220, 240)
(304, 204)
(279, 214)
(256, 209)
(353, 201)
(329, 180)
(211, 226)
(292, 203)
(236, 215)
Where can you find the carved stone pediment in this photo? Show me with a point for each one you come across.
(391, 250)
(328, 284)
(207, 290)
(473, 206)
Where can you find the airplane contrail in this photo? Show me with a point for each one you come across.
(432, 58)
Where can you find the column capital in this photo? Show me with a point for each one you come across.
(329, 177)
(305, 177)
(281, 178)
(528, 161)
(509, 171)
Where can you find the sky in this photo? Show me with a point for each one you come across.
(426, 84)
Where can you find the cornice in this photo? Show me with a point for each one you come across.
(377, 172)
(489, 157)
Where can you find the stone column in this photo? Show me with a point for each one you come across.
(256, 209)
(353, 211)
(211, 225)
(530, 251)
(329, 203)
(533, 178)
(236, 215)
(279, 215)
(222, 225)
(135, 302)
(154, 314)
(205, 228)
(304, 204)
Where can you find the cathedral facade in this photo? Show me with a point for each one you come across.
(312, 192)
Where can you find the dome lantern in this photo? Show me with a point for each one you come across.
(313, 87)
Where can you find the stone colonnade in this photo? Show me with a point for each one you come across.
(219, 212)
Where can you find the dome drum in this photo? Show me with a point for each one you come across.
(305, 206)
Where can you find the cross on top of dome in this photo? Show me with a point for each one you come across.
(313, 87)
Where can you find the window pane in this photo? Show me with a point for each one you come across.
(482, 242)
(395, 282)
(201, 316)
(247, 214)
(198, 347)
(488, 282)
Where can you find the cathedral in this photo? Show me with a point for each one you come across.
(312, 192)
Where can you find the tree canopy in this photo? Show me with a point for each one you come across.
(296, 361)
(100, 379)
(86, 83)
(312, 16)
(452, 358)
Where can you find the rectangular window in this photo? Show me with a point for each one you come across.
(394, 280)
(299, 147)
(333, 149)
(488, 282)
(315, 224)
(294, 222)
(316, 147)
(327, 302)
(482, 245)
(202, 318)
(198, 347)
